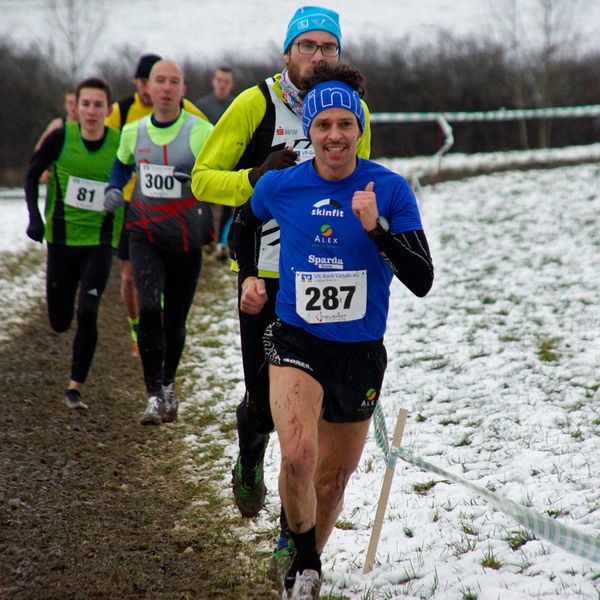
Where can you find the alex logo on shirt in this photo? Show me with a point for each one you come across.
(326, 236)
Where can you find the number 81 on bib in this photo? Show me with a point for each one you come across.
(331, 297)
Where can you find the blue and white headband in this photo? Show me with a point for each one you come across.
(331, 94)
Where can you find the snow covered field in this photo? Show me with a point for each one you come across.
(499, 369)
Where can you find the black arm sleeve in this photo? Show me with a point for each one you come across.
(49, 152)
(407, 254)
(245, 241)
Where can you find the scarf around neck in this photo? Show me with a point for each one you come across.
(291, 94)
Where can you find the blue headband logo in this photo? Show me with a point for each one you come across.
(331, 94)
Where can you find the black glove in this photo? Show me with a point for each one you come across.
(35, 229)
(280, 159)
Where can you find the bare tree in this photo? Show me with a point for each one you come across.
(79, 25)
(538, 35)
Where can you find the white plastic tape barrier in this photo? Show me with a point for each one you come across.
(568, 538)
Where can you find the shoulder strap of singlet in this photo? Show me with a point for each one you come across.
(260, 145)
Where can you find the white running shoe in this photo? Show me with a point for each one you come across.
(171, 404)
(155, 409)
(307, 586)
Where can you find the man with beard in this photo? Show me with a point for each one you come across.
(262, 131)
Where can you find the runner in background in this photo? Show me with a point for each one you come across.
(261, 131)
(79, 233)
(347, 226)
(126, 111)
(70, 106)
(166, 229)
(214, 105)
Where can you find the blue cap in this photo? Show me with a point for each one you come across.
(313, 18)
(331, 94)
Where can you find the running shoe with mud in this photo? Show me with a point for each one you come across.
(279, 564)
(249, 488)
(283, 555)
(73, 400)
(307, 586)
(155, 409)
(171, 404)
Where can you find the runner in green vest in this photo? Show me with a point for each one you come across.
(79, 233)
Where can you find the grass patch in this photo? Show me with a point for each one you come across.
(468, 529)
(547, 349)
(465, 440)
(423, 488)
(490, 561)
(468, 594)
(519, 538)
(345, 525)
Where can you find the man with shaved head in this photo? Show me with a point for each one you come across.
(125, 111)
(166, 229)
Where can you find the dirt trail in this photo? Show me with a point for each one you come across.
(94, 505)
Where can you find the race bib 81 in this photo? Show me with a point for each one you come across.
(87, 194)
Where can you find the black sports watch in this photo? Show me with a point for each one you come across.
(382, 228)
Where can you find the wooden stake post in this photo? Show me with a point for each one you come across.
(384, 496)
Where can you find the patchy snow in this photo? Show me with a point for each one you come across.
(21, 288)
(499, 369)
(13, 221)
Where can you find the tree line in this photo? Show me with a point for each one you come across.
(448, 74)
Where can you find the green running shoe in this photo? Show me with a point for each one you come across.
(249, 488)
(280, 562)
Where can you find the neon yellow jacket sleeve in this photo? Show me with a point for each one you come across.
(213, 177)
(363, 148)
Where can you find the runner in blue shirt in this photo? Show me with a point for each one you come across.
(347, 227)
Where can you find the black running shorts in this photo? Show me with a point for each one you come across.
(350, 373)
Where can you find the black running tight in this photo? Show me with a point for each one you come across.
(254, 420)
(173, 277)
(70, 267)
